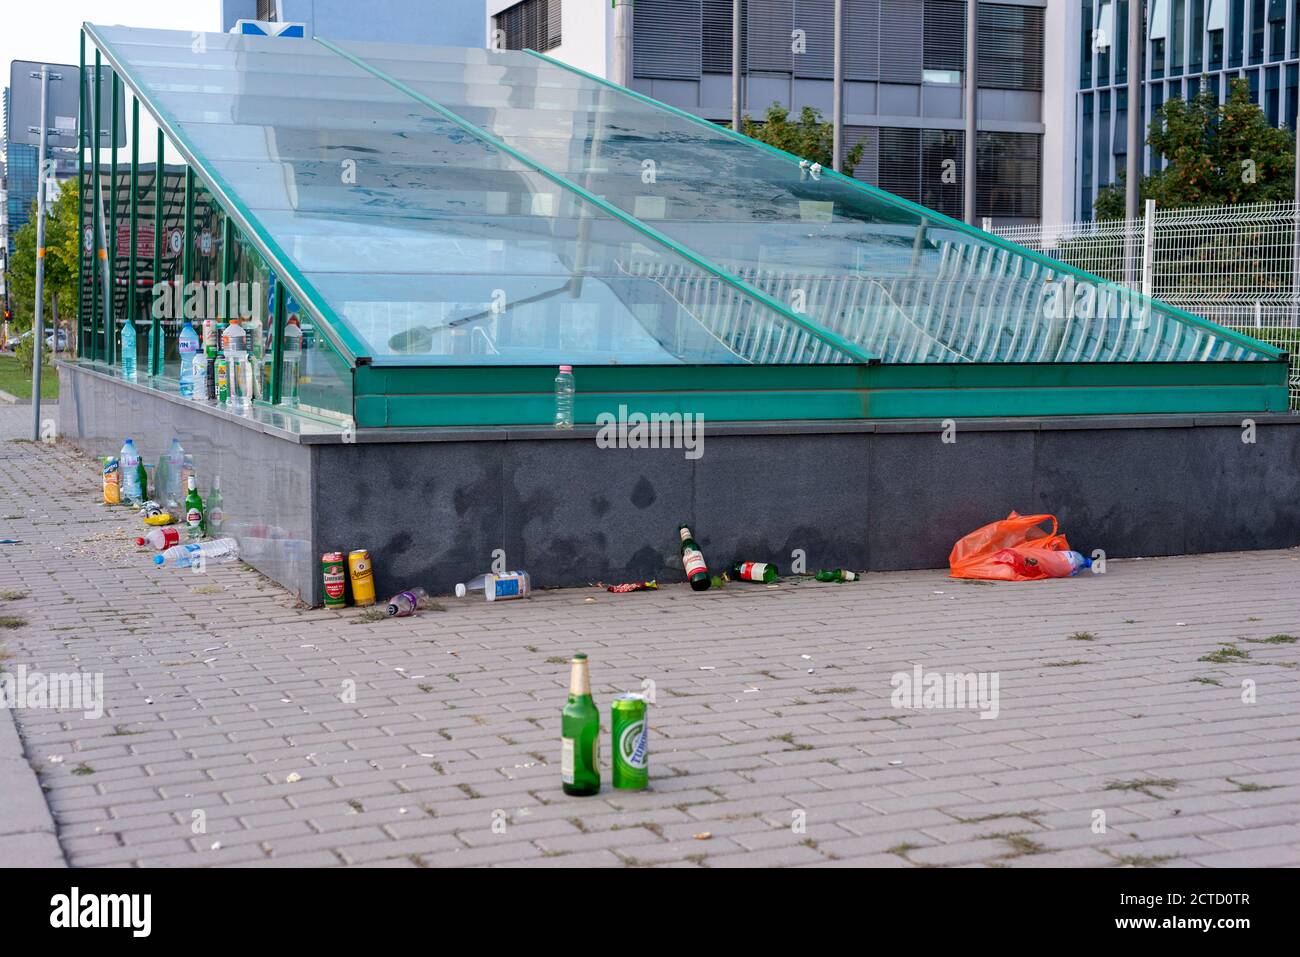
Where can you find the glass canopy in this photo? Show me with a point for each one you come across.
(443, 207)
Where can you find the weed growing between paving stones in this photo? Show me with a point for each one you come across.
(1144, 785)
(1207, 681)
(1274, 640)
(11, 595)
(1064, 664)
(1226, 655)
(1140, 860)
(1082, 636)
(1020, 844)
(370, 615)
(82, 769)
(12, 621)
(1250, 785)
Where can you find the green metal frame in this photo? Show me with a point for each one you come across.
(96, 287)
(155, 322)
(81, 198)
(110, 316)
(135, 204)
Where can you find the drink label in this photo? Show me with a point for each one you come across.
(194, 518)
(566, 760)
(693, 562)
(632, 745)
(753, 571)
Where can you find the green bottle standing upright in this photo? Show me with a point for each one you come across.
(697, 572)
(195, 522)
(580, 734)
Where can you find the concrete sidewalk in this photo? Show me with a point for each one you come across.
(240, 729)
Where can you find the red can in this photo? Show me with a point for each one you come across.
(335, 576)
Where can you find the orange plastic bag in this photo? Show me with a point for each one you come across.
(1010, 550)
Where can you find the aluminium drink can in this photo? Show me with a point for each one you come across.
(222, 378)
(630, 733)
(334, 578)
(362, 573)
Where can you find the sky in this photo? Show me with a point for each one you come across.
(48, 31)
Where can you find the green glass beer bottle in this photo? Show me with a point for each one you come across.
(764, 572)
(837, 575)
(580, 734)
(697, 572)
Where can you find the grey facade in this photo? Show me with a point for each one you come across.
(904, 68)
(1189, 44)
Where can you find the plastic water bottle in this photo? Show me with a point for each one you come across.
(130, 471)
(234, 343)
(169, 482)
(564, 388)
(504, 587)
(160, 538)
(292, 362)
(404, 603)
(188, 345)
(199, 376)
(128, 350)
(198, 553)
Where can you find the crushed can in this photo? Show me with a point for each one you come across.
(362, 574)
(334, 578)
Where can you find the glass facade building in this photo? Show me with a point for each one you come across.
(449, 225)
(1190, 45)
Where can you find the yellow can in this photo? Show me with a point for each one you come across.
(362, 574)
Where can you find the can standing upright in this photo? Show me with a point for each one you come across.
(361, 572)
(630, 731)
(334, 578)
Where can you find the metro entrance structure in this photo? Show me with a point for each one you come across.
(449, 225)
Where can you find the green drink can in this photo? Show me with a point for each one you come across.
(631, 738)
(223, 378)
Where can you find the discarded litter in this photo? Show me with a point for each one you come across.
(836, 575)
(134, 488)
(405, 603)
(508, 585)
(632, 586)
(219, 550)
(195, 525)
(160, 538)
(764, 572)
(1016, 548)
(293, 778)
(697, 571)
(361, 573)
(112, 467)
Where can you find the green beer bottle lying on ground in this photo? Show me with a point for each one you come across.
(580, 734)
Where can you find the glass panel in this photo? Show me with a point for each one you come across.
(429, 244)
(436, 239)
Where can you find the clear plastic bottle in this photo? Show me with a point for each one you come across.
(474, 584)
(219, 550)
(129, 460)
(292, 362)
(199, 376)
(564, 389)
(514, 584)
(159, 538)
(169, 474)
(404, 603)
(129, 368)
(188, 344)
(234, 343)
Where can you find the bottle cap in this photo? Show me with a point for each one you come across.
(139, 541)
(158, 559)
(566, 368)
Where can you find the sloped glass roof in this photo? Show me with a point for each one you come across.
(455, 206)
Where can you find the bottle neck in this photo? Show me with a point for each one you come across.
(686, 534)
(579, 680)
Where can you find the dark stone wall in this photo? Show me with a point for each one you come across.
(431, 506)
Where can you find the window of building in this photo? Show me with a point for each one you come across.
(1011, 47)
(666, 39)
(530, 25)
(1195, 38)
(900, 162)
(945, 39)
(1292, 94)
(1257, 31)
(1177, 37)
(941, 176)
(266, 10)
(1103, 39)
(1009, 175)
(1121, 38)
(716, 36)
(1103, 139)
(1237, 35)
(1086, 45)
(1272, 92)
(1276, 30)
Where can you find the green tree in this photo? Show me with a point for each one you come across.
(1217, 154)
(809, 138)
(62, 248)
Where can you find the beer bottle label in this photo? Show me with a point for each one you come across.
(566, 760)
(194, 518)
(753, 571)
(693, 562)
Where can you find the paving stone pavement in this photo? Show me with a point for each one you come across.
(228, 737)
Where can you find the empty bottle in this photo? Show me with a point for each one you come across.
(165, 536)
(188, 344)
(216, 511)
(129, 351)
(195, 524)
(837, 575)
(234, 343)
(404, 603)
(199, 553)
(292, 362)
(505, 587)
(697, 572)
(754, 572)
(199, 376)
(564, 388)
(474, 584)
(129, 459)
(168, 475)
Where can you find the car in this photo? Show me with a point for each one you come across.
(12, 342)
